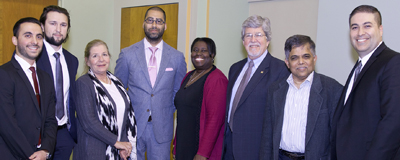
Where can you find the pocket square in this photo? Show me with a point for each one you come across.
(169, 69)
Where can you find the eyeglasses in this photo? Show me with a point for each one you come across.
(158, 21)
(250, 36)
(201, 51)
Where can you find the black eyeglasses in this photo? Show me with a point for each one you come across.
(158, 21)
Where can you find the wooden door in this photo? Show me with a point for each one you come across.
(10, 12)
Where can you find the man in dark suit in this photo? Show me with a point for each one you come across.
(153, 72)
(249, 80)
(367, 119)
(297, 120)
(27, 123)
(62, 67)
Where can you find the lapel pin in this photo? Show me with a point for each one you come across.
(262, 71)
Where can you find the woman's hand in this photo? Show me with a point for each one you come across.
(199, 157)
(124, 147)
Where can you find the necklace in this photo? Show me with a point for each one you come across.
(194, 78)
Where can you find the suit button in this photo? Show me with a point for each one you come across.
(152, 95)
(38, 128)
(148, 110)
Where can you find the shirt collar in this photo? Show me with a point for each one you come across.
(308, 81)
(24, 64)
(50, 49)
(258, 60)
(159, 45)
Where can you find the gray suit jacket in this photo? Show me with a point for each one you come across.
(132, 70)
(324, 96)
(93, 138)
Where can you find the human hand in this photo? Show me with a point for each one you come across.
(123, 154)
(199, 157)
(123, 146)
(39, 155)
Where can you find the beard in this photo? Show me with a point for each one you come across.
(154, 36)
(23, 52)
(52, 41)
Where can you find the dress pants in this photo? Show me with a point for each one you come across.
(64, 144)
(155, 151)
(227, 151)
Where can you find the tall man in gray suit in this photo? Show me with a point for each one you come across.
(297, 120)
(249, 80)
(152, 70)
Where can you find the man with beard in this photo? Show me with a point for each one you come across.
(247, 92)
(152, 70)
(62, 66)
(27, 124)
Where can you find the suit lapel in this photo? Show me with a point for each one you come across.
(163, 64)
(314, 106)
(68, 61)
(279, 108)
(259, 74)
(28, 85)
(231, 82)
(43, 62)
(141, 58)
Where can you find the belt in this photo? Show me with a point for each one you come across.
(62, 127)
(292, 155)
(149, 120)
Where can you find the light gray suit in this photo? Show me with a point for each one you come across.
(324, 96)
(93, 138)
(132, 69)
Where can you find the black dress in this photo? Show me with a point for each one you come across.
(188, 101)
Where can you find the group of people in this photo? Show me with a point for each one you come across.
(268, 109)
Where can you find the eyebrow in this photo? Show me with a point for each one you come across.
(363, 23)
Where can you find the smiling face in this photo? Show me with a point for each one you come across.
(55, 28)
(29, 41)
(201, 58)
(301, 62)
(99, 59)
(365, 33)
(255, 46)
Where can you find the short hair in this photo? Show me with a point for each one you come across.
(53, 8)
(24, 20)
(157, 9)
(298, 41)
(256, 21)
(367, 9)
(212, 49)
(93, 43)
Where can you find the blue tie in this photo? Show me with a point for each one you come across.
(59, 88)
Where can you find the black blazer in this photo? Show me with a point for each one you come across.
(248, 117)
(43, 63)
(368, 125)
(324, 96)
(20, 117)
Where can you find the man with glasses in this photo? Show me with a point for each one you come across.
(249, 80)
(152, 70)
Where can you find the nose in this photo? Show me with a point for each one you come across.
(58, 27)
(101, 58)
(253, 38)
(361, 31)
(301, 60)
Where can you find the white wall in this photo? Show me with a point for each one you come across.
(336, 56)
(288, 17)
(90, 19)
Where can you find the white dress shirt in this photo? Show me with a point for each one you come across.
(295, 115)
(364, 61)
(257, 63)
(66, 83)
(25, 67)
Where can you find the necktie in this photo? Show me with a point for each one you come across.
(357, 71)
(36, 85)
(152, 68)
(239, 92)
(59, 88)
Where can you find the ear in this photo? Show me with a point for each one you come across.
(14, 40)
(315, 58)
(165, 26)
(41, 25)
(287, 63)
(381, 30)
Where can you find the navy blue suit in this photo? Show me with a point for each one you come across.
(244, 142)
(43, 63)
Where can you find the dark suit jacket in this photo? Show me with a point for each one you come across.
(21, 120)
(43, 63)
(368, 125)
(248, 117)
(324, 96)
(93, 137)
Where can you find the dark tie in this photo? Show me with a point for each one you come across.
(36, 85)
(357, 71)
(239, 92)
(59, 88)
(152, 68)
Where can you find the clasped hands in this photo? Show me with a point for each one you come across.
(125, 149)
